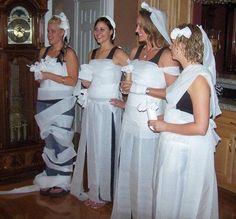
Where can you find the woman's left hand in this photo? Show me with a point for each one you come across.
(117, 103)
(86, 83)
(125, 86)
(157, 125)
(44, 75)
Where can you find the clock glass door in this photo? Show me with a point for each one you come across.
(22, 103)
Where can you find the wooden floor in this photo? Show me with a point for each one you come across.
(35, 206)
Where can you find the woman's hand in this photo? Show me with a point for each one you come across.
(45, 75)
(157, 125)
(85, 83)
(125, 86)
(117, 103)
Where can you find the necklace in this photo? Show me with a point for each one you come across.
(148, 52)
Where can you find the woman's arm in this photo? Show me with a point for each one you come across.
(120, 57)
(118, 103)
(126, 85)
(72, 66)
(199, 92)
(165, 61)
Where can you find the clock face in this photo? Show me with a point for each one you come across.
(19, 26)
(19, 31)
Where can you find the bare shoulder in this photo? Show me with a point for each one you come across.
(166, 55)
(70, 51)
(70, 54)
(120, 57)
(166, 59)
(200, 83)
(41, 52)
(200, 80)
(120, 53)
(133, 52)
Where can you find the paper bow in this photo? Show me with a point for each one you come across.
(36, 68)
(128, 68)
(145, 6)
(64, 25)
(39, 67)
(148, 105)
(151, 107)
(83, 98)
(176, 32)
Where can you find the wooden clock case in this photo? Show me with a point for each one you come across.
(20, 144)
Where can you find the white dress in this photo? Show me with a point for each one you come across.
(184, 177)
(137, 146)
(101, 124)
(52, 121)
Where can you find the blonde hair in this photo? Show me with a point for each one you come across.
(154, 36)
(54, 19)
(193, 48)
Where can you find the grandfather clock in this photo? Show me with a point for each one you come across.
(21, 37)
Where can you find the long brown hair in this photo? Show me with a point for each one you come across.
(154, 36)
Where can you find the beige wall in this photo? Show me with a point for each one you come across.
(178, 11)
(125, 16)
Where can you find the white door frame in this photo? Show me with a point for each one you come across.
(48, 15)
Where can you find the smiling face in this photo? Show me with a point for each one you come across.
(142, 36)
(102, 33)
(54, 32)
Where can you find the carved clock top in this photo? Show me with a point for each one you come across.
(23, 23)
(37, 3)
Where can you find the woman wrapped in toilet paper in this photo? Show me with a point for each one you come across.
(153, 69)
(57, 73)
(101, 120)
(184, 174)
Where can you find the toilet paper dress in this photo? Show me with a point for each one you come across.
(55, 115)
(100, 130)
(184, 175)
(133, 197)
